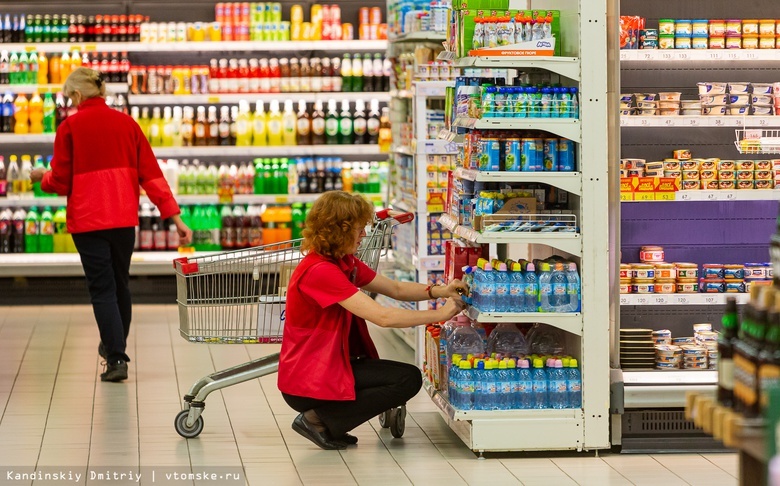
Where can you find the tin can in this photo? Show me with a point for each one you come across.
(712, 285)
(528, 155)
(755, 271)
(491, 154)
(735, 286)
(512, 155)
(347, 31)
(296, 14)
(363, 15)
(219, 12)
(364, 31)
(665, 271)
(713, 271)
(376, 16)
(687, 286)
(566, 159)
(276, 12)
(734, 272)
(551, 154)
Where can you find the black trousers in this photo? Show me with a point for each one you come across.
(380, 385)
(105, 257)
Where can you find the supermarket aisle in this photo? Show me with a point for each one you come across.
(55, 414)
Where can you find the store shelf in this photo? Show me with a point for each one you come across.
(700, 121)
(565, 127)
(403, 93)
(569, 242)
(28, 138)
(53, 88)
(287, 46)
(429, 263)
(688, 55)
(567, 321)
(267, 151)
(435, 147)
(496, 430)
(568, 181)
(565, 66)
(681, 299)
(146, 99)
(665, 388)
(421, 37)
(403, 149)
(432, 89)
(745, 195)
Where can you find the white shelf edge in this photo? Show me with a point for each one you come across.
(421, 36)
(688, 55)
(27, 138)
(430, 263)
(566, 127)
(569, 181)
(340, 45)
(682, 299)
(273, 151)
(565, 66)
(680, 121)
(431, 89)
(146, 99)
(115, 88)
(669, 377)
(724, 195)
(435, 147)
(568, 321)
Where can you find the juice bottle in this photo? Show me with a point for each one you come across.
(385, 133)
(54, 70)
(269, 225)
(167, 127)
(260, 126)
(35, 109)
(60, 231)
(23, 185)
(284, 223)
(155, 128)
(275, 124)
(43, 69)
(21, 115)
(49, 114)
(65, 67)
(289, 123)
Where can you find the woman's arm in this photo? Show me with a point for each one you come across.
(364, 306)
(414, 292)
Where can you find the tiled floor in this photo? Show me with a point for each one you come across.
(56, 416)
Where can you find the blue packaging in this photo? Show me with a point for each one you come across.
(490, 157)
(550, 154)
(512, 155)
(566, 159)
(528, 155)
(736, 286)
(539, 164)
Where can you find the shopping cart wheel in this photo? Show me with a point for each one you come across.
(384, 419)
(181, 425)
(398, 421)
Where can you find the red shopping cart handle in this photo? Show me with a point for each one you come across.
(400, 217)
(182, 264)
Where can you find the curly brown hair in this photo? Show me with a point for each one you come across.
(332, 221)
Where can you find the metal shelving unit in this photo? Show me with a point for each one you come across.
(225, 46)
(215, 98)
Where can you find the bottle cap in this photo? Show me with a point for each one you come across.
(538, 363)
(572, 363)
(558, 363)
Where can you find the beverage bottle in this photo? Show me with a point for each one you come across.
(301, 176)
(305, 80)
(36, 186)
(43, 69)
(60, 231)
(46, 232)
(14, 69)
(159, 231)
(35, 110)
(19, 231)
(213, 227)
(146, 232)
(21, 106)
(318, 124)
(726, 341)
(316, 75)
(574, 384)
(275, 124)
(166, 128)
(227, 234)
(332, 124)
(574, 110)
(453, 378)
(378, 73)
(187, 127)
(7, 113)
(283, 182)
(557, 385)
(464, 340)
(200, 132)
(346, 135)
(284, 223)
(347, 177)
(546, 302)
(573, 288)
(360, 123)
(55, 70)
(501, 276)
(6, 231)
(23, 69)
(467, 388)
(357, 74)
(14, 174)
(175, 127)
(385, 133)
(240, 229)
(254, 214)
(3, 178)
(488, 289)
(346, 74)
(516, 289)
(368, 74)
(559, 299)
(49, 114)
(298, 221)
(303, 124)
(524, 390)
(65, 66)
(482, 384)
(274, 75)
(156, 128)
(32, 230)
(258, 131)
(212, 126)
(289, 123)
(507, 340)
(539, 387)
(505, 375)
(5, 67)
(23, 182)
(270, 235)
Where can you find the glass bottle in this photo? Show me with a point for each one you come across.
(318, 125)
(303, 125)
(726, 339)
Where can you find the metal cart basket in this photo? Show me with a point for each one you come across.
(238, 297)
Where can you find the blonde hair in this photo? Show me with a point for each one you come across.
(332, 221)
(87, 82)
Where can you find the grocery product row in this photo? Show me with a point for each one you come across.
(698, 33)
(475, 99)
(418, 16)
(356, 73)
(688, 278)
(61, 28)
(716, 99)
(514, 151)
(646, 348)
(38, 68)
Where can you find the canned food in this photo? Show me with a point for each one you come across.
(376, 16)
(713, 270)
(691, 185)
(651, 254)
(682, 154)
(687, 286)
(625, 271)
(691, 175)
(674, 174)
(673, 165)
(550, 154)
(766, 27)
(643, 288)
(712, 285)
(763, 164)
(762, 175)
(735, 286)
(296, 14)
(642, 271)
(665, 287)
(708, 174)
(727, 165)
(710, 184)
(744, 185)
(733, 272)
(566, 160)
(687, 271)
(707, 165)
(729, 185)
(363, 15)
(755, 271)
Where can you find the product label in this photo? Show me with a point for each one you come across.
(516, 290)
(318, 126)
(745, 380)
(502, 290)
(574, 385)
(303, 126)
(768, 377)
(359, 126)
(47, 227)
(31, 228)
(373, 126)
(345, 126)
(558, 386)
(332, 127)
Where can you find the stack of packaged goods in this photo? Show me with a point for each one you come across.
(56, 28)
(715, 99)
(636, 348)
(32, 231)
(477, 99)
(699, 33)
(513, 151)
(699, 352)
(418, 16)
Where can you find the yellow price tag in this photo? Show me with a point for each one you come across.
(29, 48)
(282, 199)
(87, 47)
(212, 99)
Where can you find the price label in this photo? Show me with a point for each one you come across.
(763, 121)
(669, 122)
(661, 300)
(711, 196)
(733, 55)
(624, 300)
(682, 300)
(711, 299)
(666, 55)
(719, 122)
(624, 121)
(738, 122)
(682, 55)
(623, 56)
(212, 99)
(693, 122)
(716, 55)
(647, 56)
(644, 121)
(751, 55)
(730, 195)
(641, 301)
(685, 196)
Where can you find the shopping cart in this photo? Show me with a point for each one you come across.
(238, 297)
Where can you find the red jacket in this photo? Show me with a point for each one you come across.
(315, 355)
(101, 156)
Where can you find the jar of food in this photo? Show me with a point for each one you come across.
(683, 28)
(666, 27)
(755, 271)
(750, 27)
(750, 42)
(687, 271)
(665, 286)
(699, 43)
(735, 287)
(651, 254)
(666, 41)
(642, 271)
(717, 28)
(625, 286)
(700, 28)
(734, 272)
(712, 285)
(682, 42)
(687, 286)
(733, 42)
(717, 42)
(643, 287)
(766, 42)
(625, 271)
(766, 27)
(733, 27)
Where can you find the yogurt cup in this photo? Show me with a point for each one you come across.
(669, 111)
(713, 100)
(717, 42)
(648, 111)
(738, 87)
(669, 96)
(762, 110)
(644, 97)
(717, 28)
(666, 41)
(714, 110)
(739, 99)
(766, 27)
(684, 27)
(739, 110)
(767, 42)
(690, 104)
(761, 99)
(700, 28)
(712, 88)
(699, 43)
(734, 27)
(763, 88)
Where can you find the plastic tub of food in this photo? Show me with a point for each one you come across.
(734, 42)
(647, 111)
(762, 110)
(644, 97)
(739, 110)
(690, 104)
(711, 88)
(762, 88)
(666, 27)
(766, 27)
(691, 112)
(734, 27)
(766, 42)
(682, 42)
(749, 27)
(717, 42)
(738, 87)
(683, 27)
(669, 104)
(699, 43)
(714, 110)
(665, 41)
(713, 100)
(739, 99)
(717, 28)
(669, 96)
(762, 99)
(700, 28)
(750, 42)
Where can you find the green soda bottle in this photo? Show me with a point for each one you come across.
(259, 182)
(31, 231)
(49, 114)
(46, 236)
(60, 231)
(38, 163)
(298, 220)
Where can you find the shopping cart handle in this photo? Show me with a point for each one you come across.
(400, 217)
(184, 266)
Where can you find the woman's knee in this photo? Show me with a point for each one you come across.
(412, 382)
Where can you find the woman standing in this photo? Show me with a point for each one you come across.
(329, 369)
(101, 159)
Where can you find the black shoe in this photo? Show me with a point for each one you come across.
(115, 371)
(102, 351)
(348, 439)
(322, 439)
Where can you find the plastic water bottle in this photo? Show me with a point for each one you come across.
(505, 385)
(502, 282)
(557, 385)
(545, 340)
(476, 287)
(539, 385)
(574, 112)
(573, 288)
(545, 288)
(524, 386)
(516, 289)
(454, 382)
(464, 341)
(480, 385)
(485, 284)
(559, 299)
(574, 384)
(547, 106)
(531, 289)
(468, 279)
(466, 389)
(555, 104)
(507, 340)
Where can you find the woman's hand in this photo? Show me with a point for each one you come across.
(36, 175)
(451, 308)
(455, 289)
(185, 233)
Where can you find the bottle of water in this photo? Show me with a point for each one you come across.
(454, 382)
(531, 289)
(468, 280)
(481, 385)
(507, 340)
(564, 103)
(557, 385)
(464, 341)
(501, 276)
(492, 386)
(505, 383)
(573, 288)
(478, 278)
(574, 112)
(466, 389)
(545, 340)
(524, 386)
(555, 104)
(559, 299)
(516, 289)
(539, 388)
(546, 102)
(574, 384)
(545, 288)
(487, 289)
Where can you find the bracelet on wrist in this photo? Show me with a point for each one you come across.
(429, 291)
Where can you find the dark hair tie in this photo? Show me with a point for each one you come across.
(99, 81)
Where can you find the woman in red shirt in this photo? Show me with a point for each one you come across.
(329, 369)
(101, 157)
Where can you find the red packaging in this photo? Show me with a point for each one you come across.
(335, 13)
(376, 16)
(363, 15)
(219, 12)
(629, 31)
